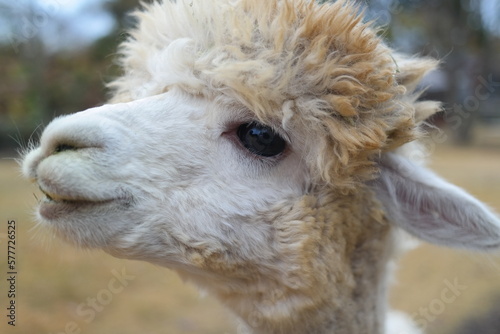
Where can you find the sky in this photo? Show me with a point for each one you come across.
(490, 14)
(61, 24)
(77, 22)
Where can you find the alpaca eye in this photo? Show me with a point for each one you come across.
(260, 139)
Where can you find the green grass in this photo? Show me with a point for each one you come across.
(54, 279)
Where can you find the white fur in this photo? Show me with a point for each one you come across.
(160, 152)
(400, 323)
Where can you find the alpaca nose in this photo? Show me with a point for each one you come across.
(72, 133)
(64, 147)
(87, 130)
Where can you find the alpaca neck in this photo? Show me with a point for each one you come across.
(359, 310)
(340, 285)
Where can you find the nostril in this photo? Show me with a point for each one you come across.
(64, 147)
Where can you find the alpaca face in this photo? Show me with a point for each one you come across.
(254, 147)
(164, 178)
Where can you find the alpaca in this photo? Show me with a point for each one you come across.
(263, 150)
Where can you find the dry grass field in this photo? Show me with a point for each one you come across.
(63, 290)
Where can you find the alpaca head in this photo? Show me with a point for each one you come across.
(247, 146)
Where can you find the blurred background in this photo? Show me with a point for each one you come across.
(56, 56)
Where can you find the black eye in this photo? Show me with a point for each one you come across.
(260, 139)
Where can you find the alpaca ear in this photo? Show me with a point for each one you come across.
(432, 209)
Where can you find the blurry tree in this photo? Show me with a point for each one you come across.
(38, 84)
(455, 31)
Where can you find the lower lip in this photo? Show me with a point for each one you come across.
(53, 210)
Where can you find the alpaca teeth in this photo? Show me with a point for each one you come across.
(51, 197)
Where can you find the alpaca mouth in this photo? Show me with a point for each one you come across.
(56, 198)
(55, 206)
(51, 197)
